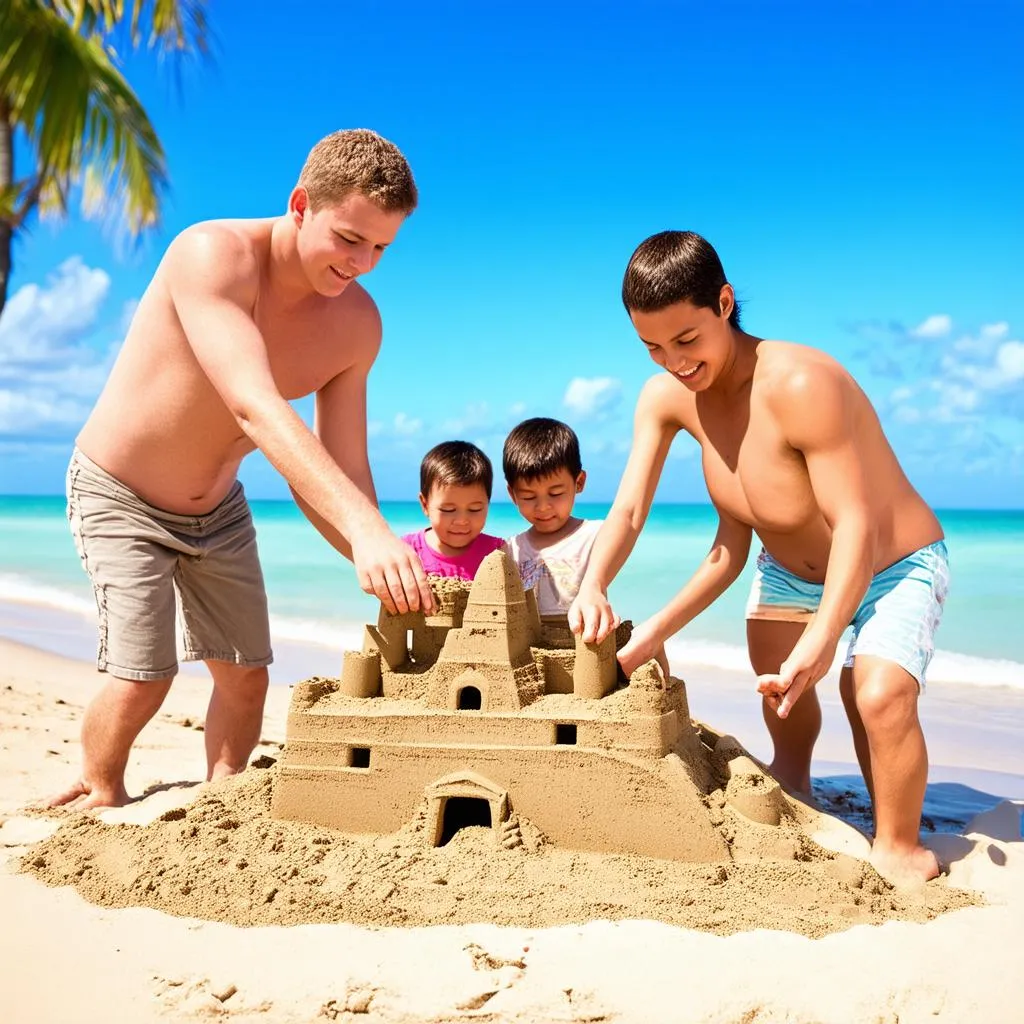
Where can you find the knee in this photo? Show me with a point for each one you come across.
(883, 702)
(242, 683)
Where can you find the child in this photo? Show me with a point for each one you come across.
(544, 474)
(455, 492)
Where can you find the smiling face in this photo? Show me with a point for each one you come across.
(337, 242)
(693, 343)
(546, 502)
(457, 514)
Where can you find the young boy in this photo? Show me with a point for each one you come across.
(455, 493)
(541, 460)
(792, 451)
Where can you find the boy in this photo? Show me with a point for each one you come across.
(544, 473)
(455, 492)
(792, 451)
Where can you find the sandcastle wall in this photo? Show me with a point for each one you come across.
(543, 736)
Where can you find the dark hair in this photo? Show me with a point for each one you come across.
(540, 447)
(675, 266)
(455, 462)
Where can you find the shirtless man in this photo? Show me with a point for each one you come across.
(792, 451)
(241, 317)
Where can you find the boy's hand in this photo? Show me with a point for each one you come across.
(810, 659)
(390, 570)
(591, 616)
(642, 647)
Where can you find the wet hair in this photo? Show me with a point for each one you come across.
(675, 266)
(455, 462)
(539, 447)
(358, 160)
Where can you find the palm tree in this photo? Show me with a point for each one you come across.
(62, 90)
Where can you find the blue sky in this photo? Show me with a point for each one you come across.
(857, 166)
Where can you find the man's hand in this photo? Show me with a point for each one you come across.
(389, 569)
(591, 615)
(810, 659)
(642, 647)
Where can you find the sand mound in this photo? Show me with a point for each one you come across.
(224, 858)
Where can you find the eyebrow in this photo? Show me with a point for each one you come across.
(677, 337)
(362, 238)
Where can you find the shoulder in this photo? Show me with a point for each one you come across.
(217, 257)
(488, 542)
(358, 317)
(804, 388)
(664, 400)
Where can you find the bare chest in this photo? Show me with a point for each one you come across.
(305, 352)
(752, 474)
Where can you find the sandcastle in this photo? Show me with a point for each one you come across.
(488, 715)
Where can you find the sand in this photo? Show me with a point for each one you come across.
(387, 930)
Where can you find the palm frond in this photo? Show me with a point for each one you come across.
(75, 107)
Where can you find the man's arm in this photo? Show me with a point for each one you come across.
(213, 277)
(718, 571)
(654, 427)
(340, 424)
(818, 412)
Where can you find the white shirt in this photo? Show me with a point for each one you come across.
(557, 570)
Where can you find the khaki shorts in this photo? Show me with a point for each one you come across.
(143, 561)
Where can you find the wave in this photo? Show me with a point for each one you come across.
(948, 667)
(21, 590)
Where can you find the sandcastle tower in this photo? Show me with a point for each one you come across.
(486, 714)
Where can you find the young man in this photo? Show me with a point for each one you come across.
(241, 317)
(792, 451)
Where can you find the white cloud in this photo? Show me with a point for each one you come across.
(49, 375)
(405, 425)
(996, 331)
(1010, 361)
(936, 326)
(592, 396)
(40, 324)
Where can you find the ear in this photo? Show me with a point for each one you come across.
(581, 481)
(298, 204)
(511, 494)
(726, 301)
(423, 505)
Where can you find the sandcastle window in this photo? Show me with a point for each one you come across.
(565, 734)
(360, 757)
(463, 812)
(470, 699)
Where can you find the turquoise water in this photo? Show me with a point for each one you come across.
(314, 597)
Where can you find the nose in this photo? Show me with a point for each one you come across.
(362, 259)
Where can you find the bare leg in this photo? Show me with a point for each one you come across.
(860, 737)
(885, 698)
(769, 644)
(113, 720)
(235, 716)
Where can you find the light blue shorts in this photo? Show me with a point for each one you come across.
(896, 620)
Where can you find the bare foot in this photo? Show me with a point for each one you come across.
(906, 869)
(84, 796)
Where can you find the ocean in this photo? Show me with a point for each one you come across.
(314, 598)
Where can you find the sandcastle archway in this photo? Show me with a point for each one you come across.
(469, 699)
(468, 790)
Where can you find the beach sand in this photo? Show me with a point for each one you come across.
(63, 958)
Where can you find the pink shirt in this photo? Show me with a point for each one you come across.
(463, 566)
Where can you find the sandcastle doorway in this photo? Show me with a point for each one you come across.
(461, 800)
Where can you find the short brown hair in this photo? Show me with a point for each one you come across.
(675, 266)
(539, 447)
(358, 160)
(455, 462)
